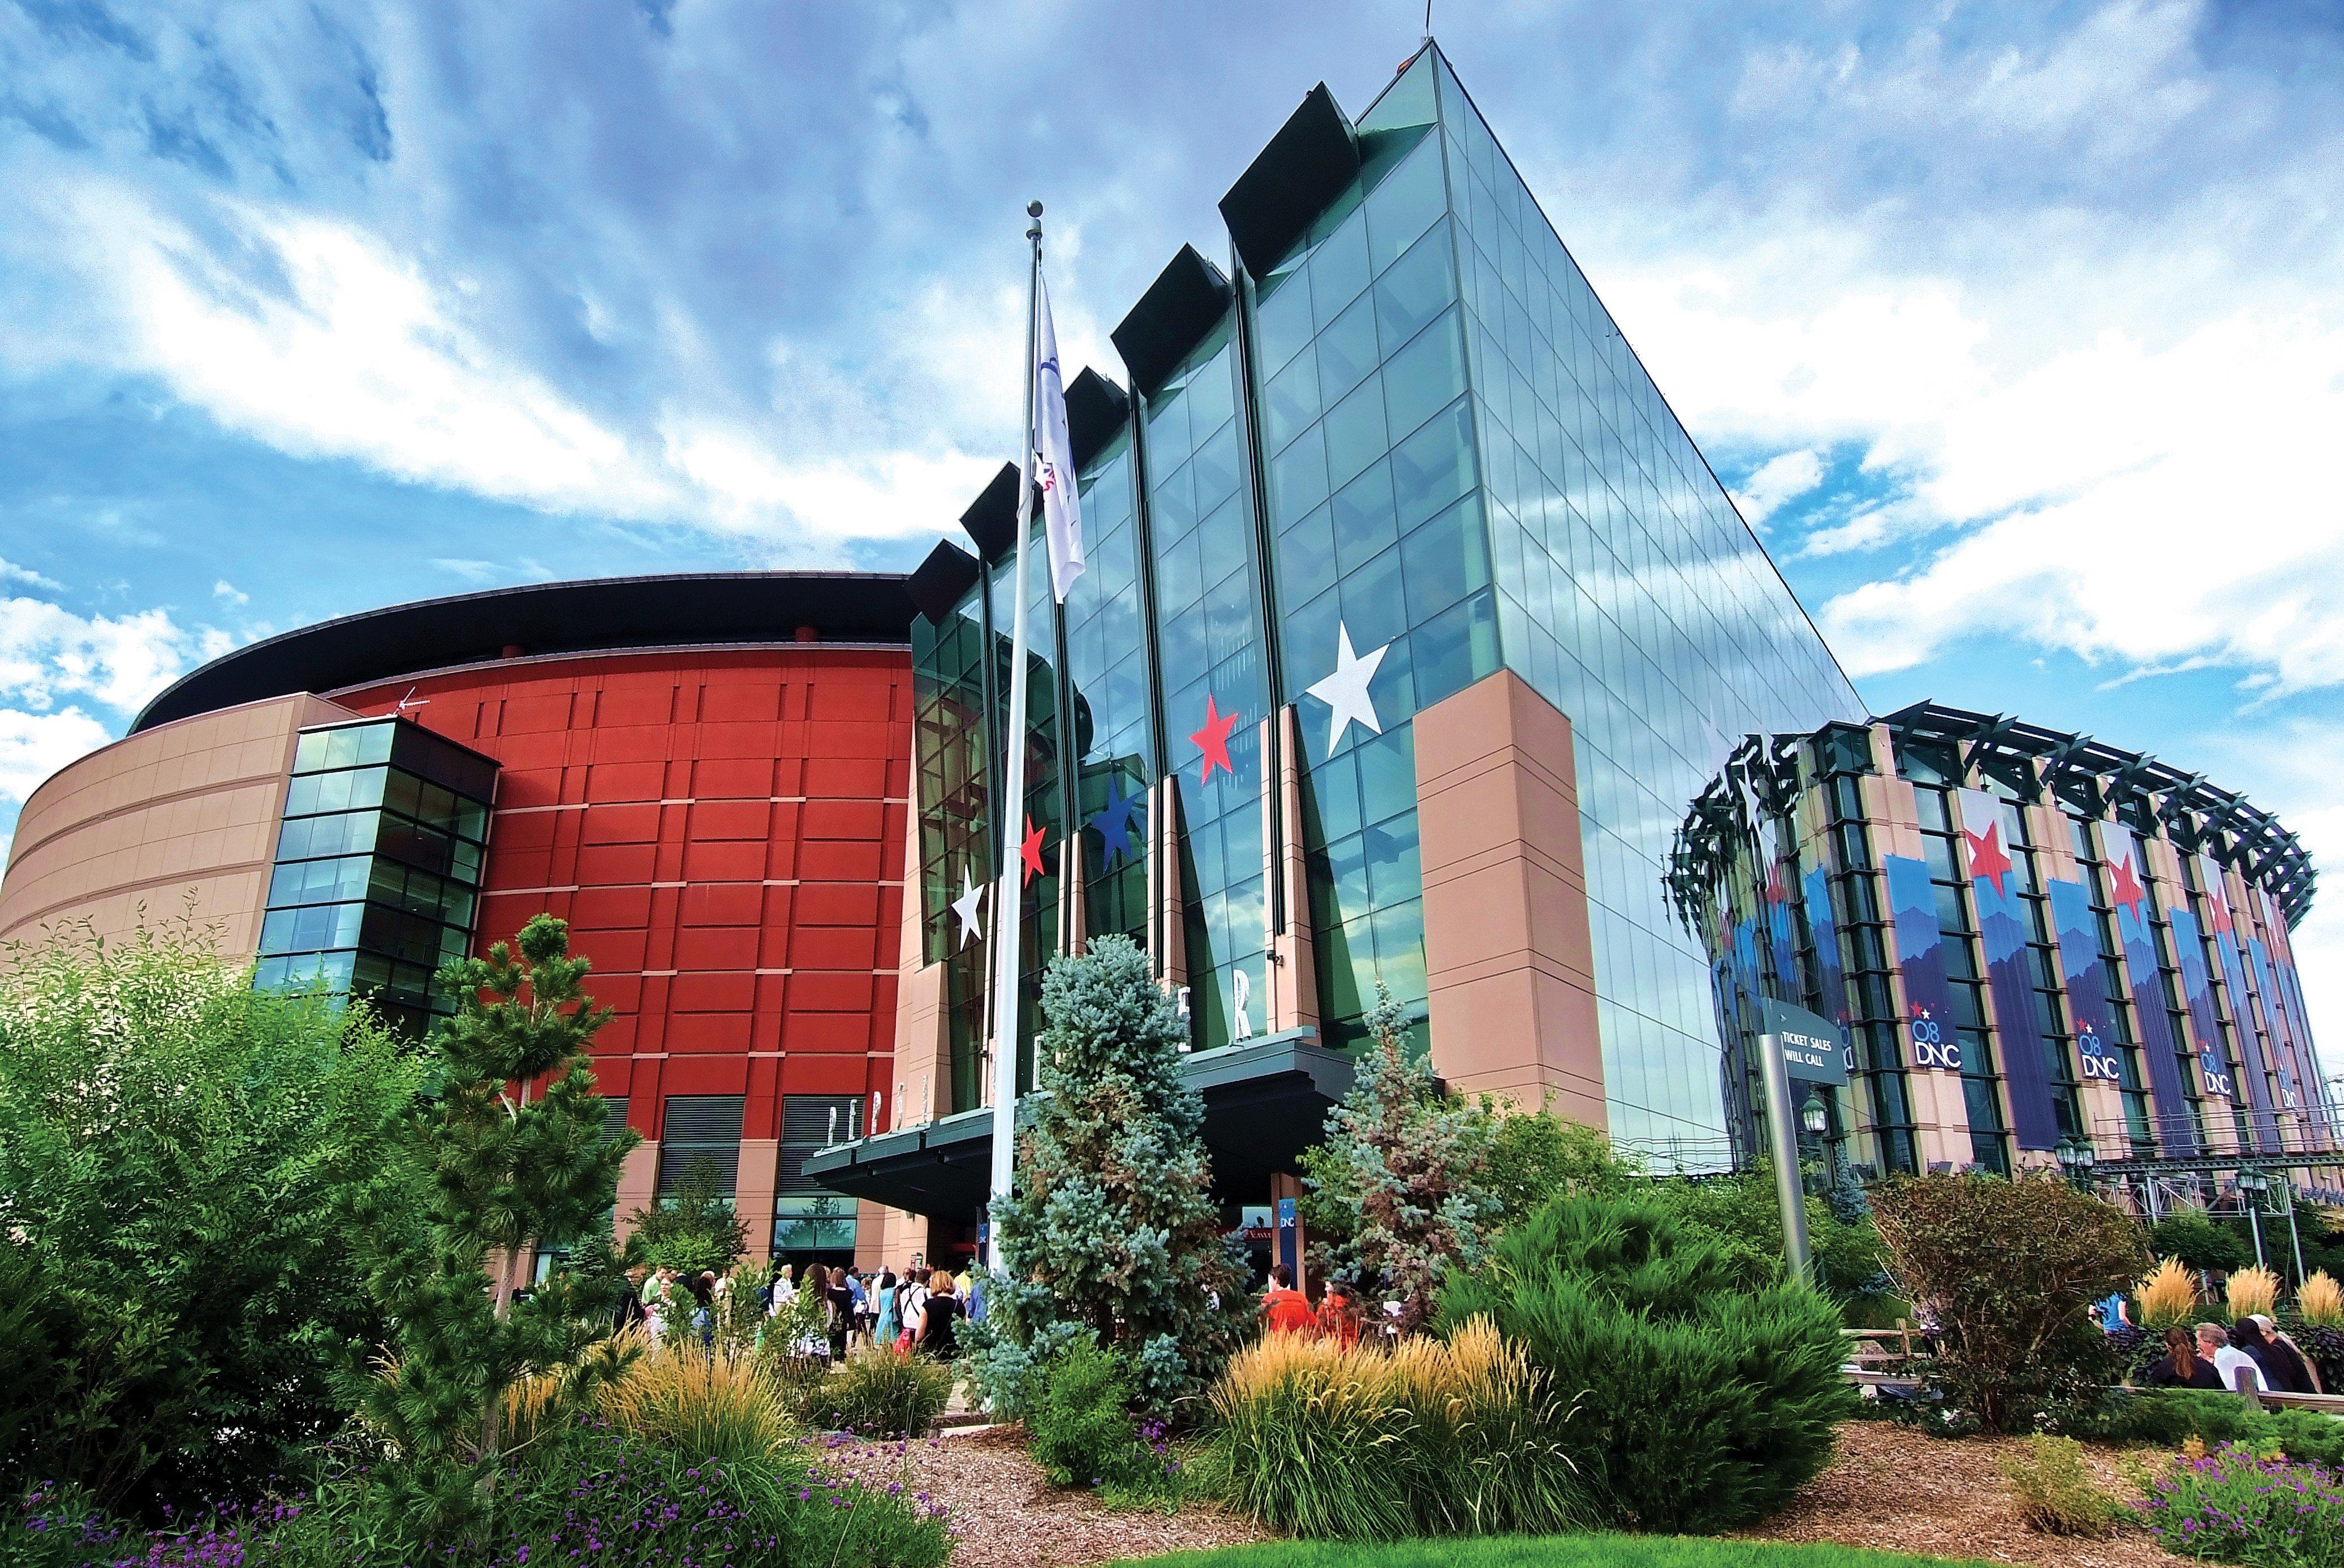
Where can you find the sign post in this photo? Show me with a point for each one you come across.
(1795, 1043)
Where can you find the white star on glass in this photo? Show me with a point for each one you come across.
(971, 895)
(1346, 691)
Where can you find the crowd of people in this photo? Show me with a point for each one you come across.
(2252, 1355)
(919, 1310)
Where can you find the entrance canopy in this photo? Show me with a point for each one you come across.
(1265, 1102)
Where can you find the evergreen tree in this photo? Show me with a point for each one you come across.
(501, 1170)
(1111, 1231)
(692, 1229)
(1406, 1171)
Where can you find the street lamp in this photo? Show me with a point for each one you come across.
(2252, 1185)
(2075, 1159)
(1816, 1116)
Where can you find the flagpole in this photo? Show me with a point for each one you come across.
(1007, 903)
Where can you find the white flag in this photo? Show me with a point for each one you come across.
(1062, 507)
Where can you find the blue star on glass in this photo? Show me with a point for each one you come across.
(1114, 825)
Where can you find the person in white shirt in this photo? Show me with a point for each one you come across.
(2214, 1345)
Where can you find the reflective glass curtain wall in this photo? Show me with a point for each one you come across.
(377, 866)
(1629, 593)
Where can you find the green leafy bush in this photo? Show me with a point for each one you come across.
(881, 1392)
(2009, 1270)
(2057, 1494)
(1743, 1215)
(1079, 1429)
(179, 1158)
(1431, 1439)
(2200, 1243)
(2165, 1417)
(2305, 1435)
(693, 1229)
(1701, 1403)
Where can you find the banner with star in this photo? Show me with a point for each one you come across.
(2128, 897)
(2290, 989)
(2087, 979)
(1930, 1038)
(2282, 1041)
(2002, 930)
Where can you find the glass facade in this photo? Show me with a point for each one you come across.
(1416, 435)
(377, 866)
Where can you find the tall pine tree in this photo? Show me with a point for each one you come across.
(1111, 1228)
(1406, 1171)
(503, 1170)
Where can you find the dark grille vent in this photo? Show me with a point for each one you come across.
(810, 1122)
(698, 1128)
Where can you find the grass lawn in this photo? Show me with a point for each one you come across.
(1541, 1551)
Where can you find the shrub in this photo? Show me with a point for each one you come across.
(179, 1156)
(1744, 1214)
(1357, 1443)
(881, 1392)
(2250, 1292)
(1533, 1155)
(1079, 1428)
(2236, 1508)
(584, 1493)
(2303, 1435)
(2056, 1494)
(707, 1405)
(1400, 1185)
(693, 1229)
(1702, 1404)
(1113, 1229)
(2009, 1270)
(2321, 1301)
(2167, 1296)
(2165, 1418)
(2200, 1242)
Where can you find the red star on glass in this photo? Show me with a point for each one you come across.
(1986, 858)
(1213, 740)
(1029, 850)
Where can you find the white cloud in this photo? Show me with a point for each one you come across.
(229, 595)
(48, 651)
(12, 573)
(1785, 476)
(35, 745)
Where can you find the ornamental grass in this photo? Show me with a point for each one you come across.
(713, 1403)
(2167, 1296)
(1361, 1444)
(2251, 1291)
(2321, 1301)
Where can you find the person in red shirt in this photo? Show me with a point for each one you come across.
(1283, 1309)
(1339, 1315)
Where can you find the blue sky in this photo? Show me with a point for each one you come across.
(2019, 330)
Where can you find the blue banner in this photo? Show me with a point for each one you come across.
(2087, 980)
(1929, 1030)
(2128, 895)
(2197, 992)
(2258, 958)
(2242, 1015)
(1994, 883)
(1779, 938)
(1825, 928)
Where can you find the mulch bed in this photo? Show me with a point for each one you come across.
(1899, 1490)
(1890, 1488)
(1005, 1516)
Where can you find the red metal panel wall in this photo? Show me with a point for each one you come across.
(723, 831)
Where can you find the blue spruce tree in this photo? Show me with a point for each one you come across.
(1112, 1232)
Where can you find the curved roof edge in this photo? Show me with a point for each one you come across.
(594, 615)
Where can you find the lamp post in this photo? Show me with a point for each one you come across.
(2076, 1158)
(2252, 1185)
(2294, 1236)
(1815, 1116)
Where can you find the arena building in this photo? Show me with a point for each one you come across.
(2041, 950)
(1412, 620)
